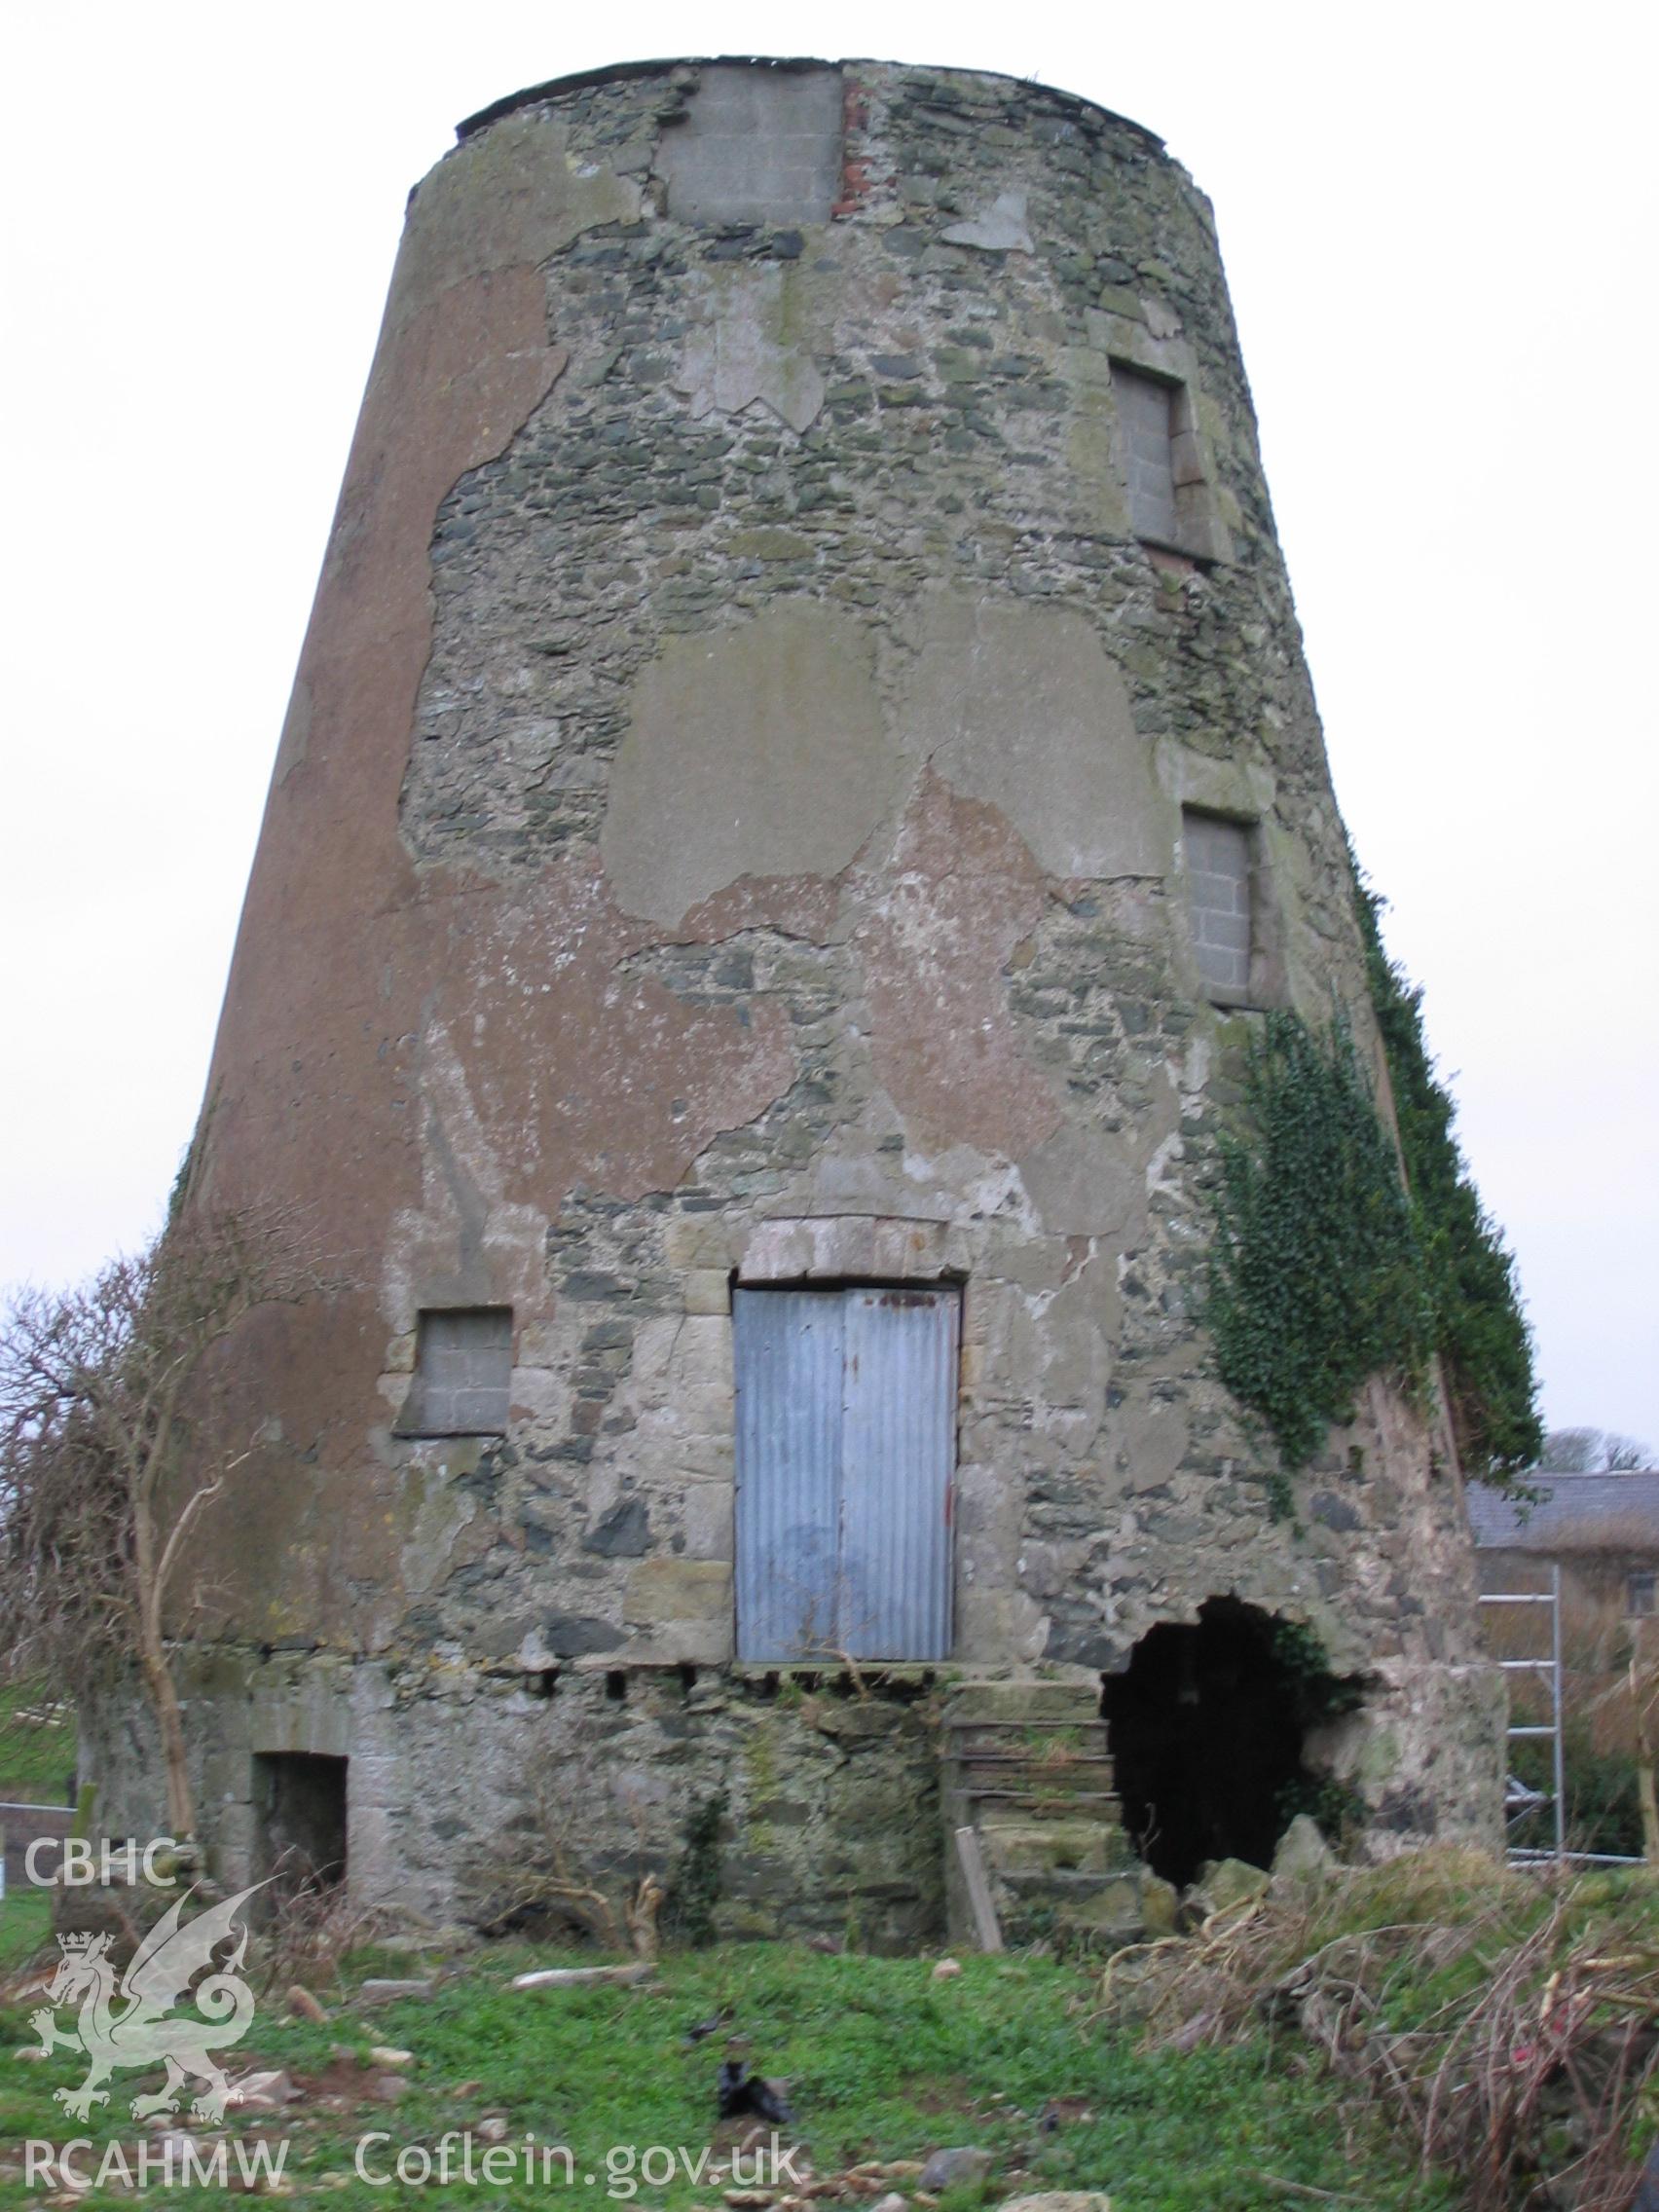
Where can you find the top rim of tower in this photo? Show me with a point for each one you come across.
(620, 71)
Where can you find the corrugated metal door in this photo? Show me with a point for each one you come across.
(789, 1356)
(898, 1456)
(846, 1430)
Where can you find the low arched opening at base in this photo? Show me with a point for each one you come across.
(1207, 1727)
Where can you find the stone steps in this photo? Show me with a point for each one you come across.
(1019, 1781)
(1026, 1843)
(1025, 1765)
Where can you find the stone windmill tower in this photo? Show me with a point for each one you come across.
(800, 776)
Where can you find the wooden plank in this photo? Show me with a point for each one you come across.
(581, 1978)
(978, 1890)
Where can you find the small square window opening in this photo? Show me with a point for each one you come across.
(463, 1364)
(1642, 1595)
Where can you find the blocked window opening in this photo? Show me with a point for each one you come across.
(299, 1807)
(1642, 1595)
(1172, 501)
(1206, 1728)
(1146, 430)
(846, 1457)
(1220, 866)
(463, 1364)
(755, 144)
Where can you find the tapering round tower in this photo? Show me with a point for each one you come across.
(800, 782)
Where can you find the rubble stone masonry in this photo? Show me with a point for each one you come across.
(728, 829)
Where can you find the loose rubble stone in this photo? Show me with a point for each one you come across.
(951, 2169)
(1303, 1856)
(1224, 1885)
(1159, 1905)
(269, 2091)
(1059, 2201)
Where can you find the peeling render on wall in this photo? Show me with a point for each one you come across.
(728, 828)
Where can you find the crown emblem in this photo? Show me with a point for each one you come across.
(83, 1940)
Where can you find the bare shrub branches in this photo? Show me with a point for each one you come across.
(116, 1437)
(1593, 1452)
(532, 1871)
(314, 1930)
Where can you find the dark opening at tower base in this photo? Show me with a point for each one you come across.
(1206, 1727)
(299, 1801)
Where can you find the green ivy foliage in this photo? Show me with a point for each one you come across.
(1480, 1332)
(1317, 1693)
(1316, 1278)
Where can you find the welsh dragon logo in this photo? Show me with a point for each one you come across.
(123, 2019)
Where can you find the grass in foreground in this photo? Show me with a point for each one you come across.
(882, 2063)
(37, 1746)
(25, 1926)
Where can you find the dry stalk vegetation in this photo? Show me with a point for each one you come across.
(1509, 2021)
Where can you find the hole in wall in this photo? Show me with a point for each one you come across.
(299, 1810)
(1206, 1728)
(616, 1686)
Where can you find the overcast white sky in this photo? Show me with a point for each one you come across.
(1439, 228)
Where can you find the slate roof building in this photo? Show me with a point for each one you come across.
(1601, 1530)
